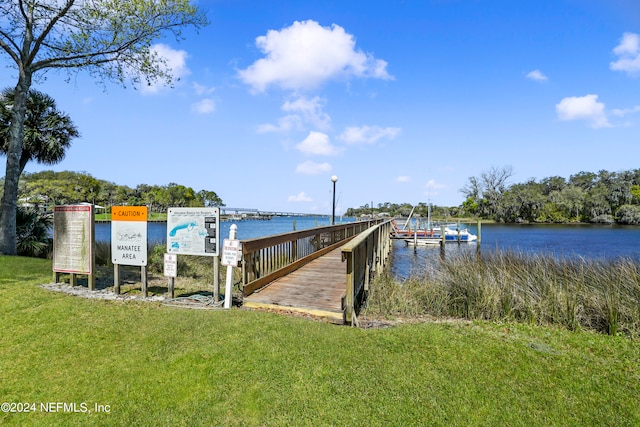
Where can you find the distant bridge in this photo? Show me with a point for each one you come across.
(224, 210)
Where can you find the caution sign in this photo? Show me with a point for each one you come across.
(129, 235)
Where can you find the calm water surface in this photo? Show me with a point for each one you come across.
(586, 241)
(249, 229)
(591, 242)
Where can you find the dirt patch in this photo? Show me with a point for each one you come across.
(196, 294)
(102, 294)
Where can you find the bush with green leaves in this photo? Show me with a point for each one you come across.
(33, 232)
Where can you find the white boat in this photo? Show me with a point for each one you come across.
(451, 235)
(432, 234)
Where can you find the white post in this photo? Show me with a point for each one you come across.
(229, 283)
(216, 278)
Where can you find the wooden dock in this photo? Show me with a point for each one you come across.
(317, 288)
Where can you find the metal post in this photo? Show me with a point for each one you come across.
(216, 278)
(143, 279)
(334, 179)
(116, 278)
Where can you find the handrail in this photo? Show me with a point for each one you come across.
(267, 258)
(366, 255)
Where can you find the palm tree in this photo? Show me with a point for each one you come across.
(47, 131)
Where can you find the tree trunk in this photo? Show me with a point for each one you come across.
(8, 205)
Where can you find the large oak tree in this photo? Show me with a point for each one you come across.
(111, 39)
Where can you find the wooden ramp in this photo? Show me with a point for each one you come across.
(316, 288)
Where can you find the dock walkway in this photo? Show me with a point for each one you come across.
(317, 288)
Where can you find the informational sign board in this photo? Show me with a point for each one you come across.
(193, 231)
(170, 265)
(73, 239)
(231, 253)
(129, 235)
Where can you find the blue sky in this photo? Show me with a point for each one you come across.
(402, 100)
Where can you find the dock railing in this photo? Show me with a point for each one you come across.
(366, 256)
(268, 258)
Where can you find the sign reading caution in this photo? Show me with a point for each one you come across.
(129, 235)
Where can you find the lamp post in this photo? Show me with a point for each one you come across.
(334, 179)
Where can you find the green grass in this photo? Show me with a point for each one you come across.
(155, 365)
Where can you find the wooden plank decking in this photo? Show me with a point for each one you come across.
(316, 288)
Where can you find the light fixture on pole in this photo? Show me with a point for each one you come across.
(334, 179)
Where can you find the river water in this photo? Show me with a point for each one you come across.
(586, 241)
(590, 242)
(248, 229)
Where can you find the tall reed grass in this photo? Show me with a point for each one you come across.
(602, 295)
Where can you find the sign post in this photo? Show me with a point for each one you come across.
(74, 242)
(171, 271)
(230, 256)
(194, 231)
(129, 241)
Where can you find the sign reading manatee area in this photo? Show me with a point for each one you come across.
(73, 234)
(193, 231)
(129, 235)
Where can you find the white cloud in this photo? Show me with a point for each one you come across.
(313, 168)
(300, 197)
(628, 52)
(368, 134)
(403, 178)
(433, 185)
(304, 111)
(583, 108)
(175, 63)
(204, 106)
(310, 111)
(203, 90)
(433, 188)
(305, 55)
(285, 124)
(623, 112)
(537, 75)
(317, 143)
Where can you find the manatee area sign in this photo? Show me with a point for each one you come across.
(193, 231)
(129, 235)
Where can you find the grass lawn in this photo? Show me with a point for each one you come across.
(149, 364)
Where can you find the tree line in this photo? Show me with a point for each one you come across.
(112, 41)
(404, 210)
(49, 188)
(603, 197)
(589, 197)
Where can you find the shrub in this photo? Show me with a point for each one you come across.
(628, 214)
(32, 232)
